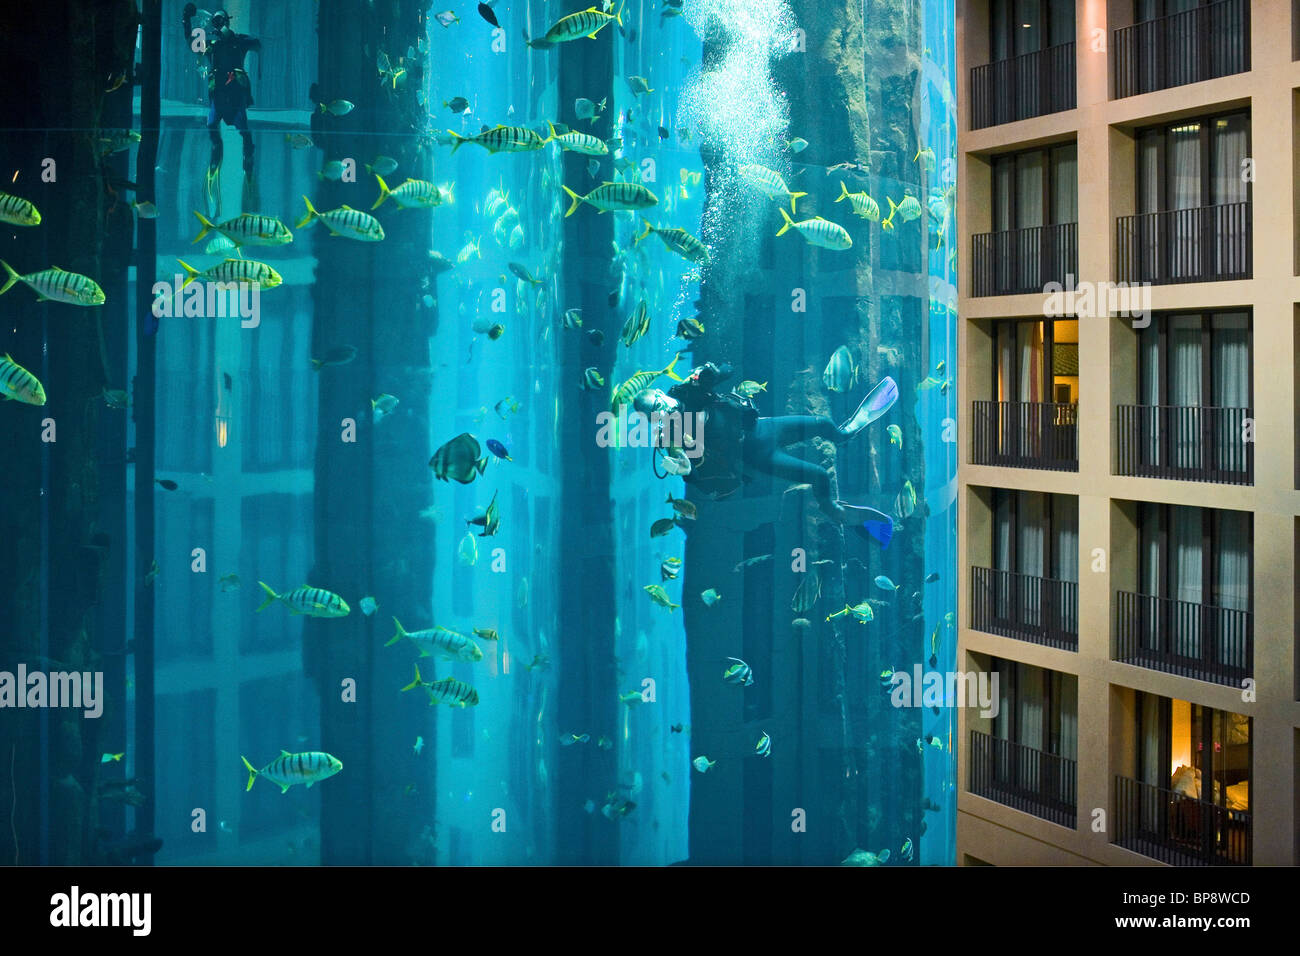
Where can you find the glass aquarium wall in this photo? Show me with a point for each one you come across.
(520, 435)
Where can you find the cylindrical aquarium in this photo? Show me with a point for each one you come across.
(505, 434)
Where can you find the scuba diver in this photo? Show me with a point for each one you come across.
(740, 443)
(229, 91)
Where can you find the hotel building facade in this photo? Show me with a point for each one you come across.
(1129, 513)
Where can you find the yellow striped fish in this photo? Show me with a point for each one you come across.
(446, 691)
(819, 232)
(287, 769)
(18, 384)
(585, 23)
(500, 139)
(247, 229)
(862, 204)
(637, 325)
(624, 394)
(346, 222)
(438, 640)
(314, 602)
(56, 285)
(679, 241)
(412, 194)
(233, 270)
(909, 208)
(613, 197)
(576, 142)
(769, 183)
(18, 212)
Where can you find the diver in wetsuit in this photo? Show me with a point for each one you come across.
(736, 441)
(229, 91)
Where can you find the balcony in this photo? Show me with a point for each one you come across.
(1200, 641)
(1026, 435)
(1029, 608)
(1203, 244)
(1184, 443)
(1178, 829)
(1203, 43)
(1023, 261)
(1032, 84)
(1025, 779)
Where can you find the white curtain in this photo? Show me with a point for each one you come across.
(1029, 720)
(1029, 214)
(1232, 590)
(1006, 345)
(1002, 723)
(1002, 511)
(1145, 242)
(1029, 342)
(1229, 150)
(1069, 716)
(1230, 371)
(1003, 178)
(1150, 522)
(1150, 768)
(1185, 393)
(1184, 193)
(1031, 521)
(1065, 184)
(1006, 675)
(1149, 357)
(1185, 539)
(1065, 557)
(1029, 345)
(1068, 703)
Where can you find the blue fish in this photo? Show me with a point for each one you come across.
(498, 449)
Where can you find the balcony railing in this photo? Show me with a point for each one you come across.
(1026, 435)
(1025, 779)
(1032, 84)
(1185, 443)
(1023, 261)
(1203, 43)
(1178, 829)
(1028, 608)
(1204, 244)
(1200, 641)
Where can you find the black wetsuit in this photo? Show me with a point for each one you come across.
(229, 91)
(736, 440)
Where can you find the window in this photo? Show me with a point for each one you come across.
(1182, 744)
(1036, 188)
(1189, 799)
(1035, 209)
(1031, 68)
(1037, 360)
(1198, 365)
(1201, 555)
(1026, 26)
(1028, 762)
(1031, 591)
(1193, 203)
(1037, 708)
(1176, 42)
(1036, 534)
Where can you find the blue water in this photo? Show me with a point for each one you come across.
(252, 458)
